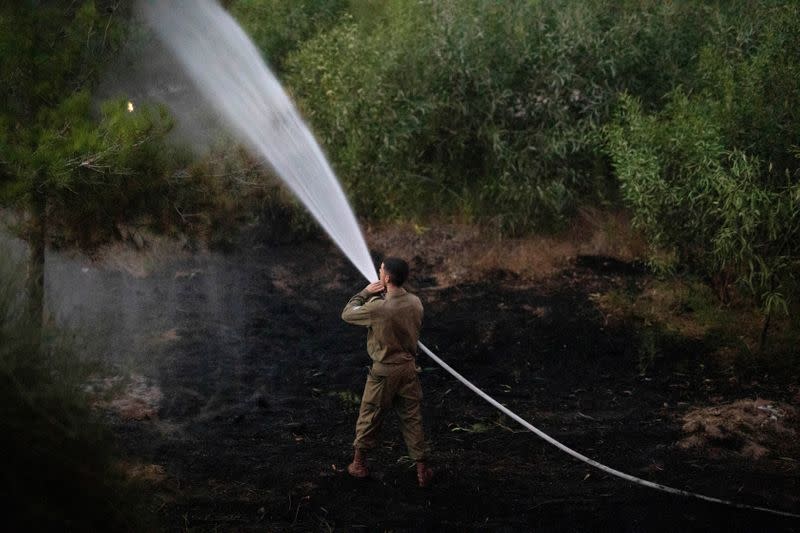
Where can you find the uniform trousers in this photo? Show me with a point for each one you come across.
(392, 386)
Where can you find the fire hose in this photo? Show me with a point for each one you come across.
(591, 462)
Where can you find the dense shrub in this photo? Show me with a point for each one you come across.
(484, 110)
(714, 176)
(227, 189)
(277, 27)
(100, 171)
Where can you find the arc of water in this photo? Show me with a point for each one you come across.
(229, 71)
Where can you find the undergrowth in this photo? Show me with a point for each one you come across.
(672, 311)
(60, 467)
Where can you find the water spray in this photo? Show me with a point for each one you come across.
(229, 71)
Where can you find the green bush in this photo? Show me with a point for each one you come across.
(488, 111)
(98, 172)
(714, 176)
(277, 27)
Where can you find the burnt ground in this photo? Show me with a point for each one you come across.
(259, 401)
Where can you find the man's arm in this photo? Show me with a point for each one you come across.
(357, 311)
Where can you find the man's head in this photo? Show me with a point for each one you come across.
(394, 271)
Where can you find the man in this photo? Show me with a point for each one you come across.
(393, 324)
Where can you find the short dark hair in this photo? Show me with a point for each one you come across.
(397, 270)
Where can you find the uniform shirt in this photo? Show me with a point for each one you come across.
(393, 324)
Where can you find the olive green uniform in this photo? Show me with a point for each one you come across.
(393, 326)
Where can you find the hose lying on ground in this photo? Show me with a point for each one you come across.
(585, 459)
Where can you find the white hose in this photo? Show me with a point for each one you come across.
(585, 459)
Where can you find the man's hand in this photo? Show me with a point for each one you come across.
(375, 287)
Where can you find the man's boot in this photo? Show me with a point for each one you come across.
(424, 475)
(358, 468)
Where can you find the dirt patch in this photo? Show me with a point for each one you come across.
(133, 397)
(751, 428)
(149, 473)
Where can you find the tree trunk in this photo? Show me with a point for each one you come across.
(37, 239)
(762, 343)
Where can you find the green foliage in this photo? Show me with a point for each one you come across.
(226, 189)
(50, 57)
(750, 73)
(103, 170)
(278, 27)
(49, 49)
(488, 111)
(94, 164)
(59, 465)
(714, 176)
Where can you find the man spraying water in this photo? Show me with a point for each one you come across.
(393, 323)
(231, 74)
(229, 71)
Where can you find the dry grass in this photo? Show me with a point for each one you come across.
(459, 253)
(750, 428)
(671, 303)
(169, 336)
(690, 309)
(455, 252)
(149, 473)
